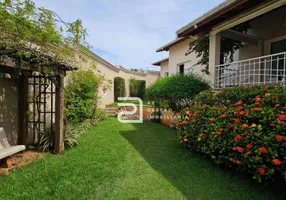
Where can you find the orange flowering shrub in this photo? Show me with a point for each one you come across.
(242, 127)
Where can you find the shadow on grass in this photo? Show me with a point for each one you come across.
(195, 177)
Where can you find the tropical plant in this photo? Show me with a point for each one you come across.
(242, 127)
(99, 115)
(177, 89)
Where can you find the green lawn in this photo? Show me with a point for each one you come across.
(124, 161)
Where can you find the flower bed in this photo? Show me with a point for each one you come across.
(242, 127)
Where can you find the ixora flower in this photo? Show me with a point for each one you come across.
(212, 119)
(242, 112)
(277, 105)
(261, 171)
(238, 103)
(248, 153)
(282, 117)
(256, 109)
(231, 159)
(244, 126)
(238, 162)
(249, 146)
(240, 149)
(237, 120)
(223, 115)
(276, 162)
(219, 133)
(234, 148)
(237, 138)
(263, 150)
(279, 138)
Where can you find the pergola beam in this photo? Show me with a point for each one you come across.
(232, 34)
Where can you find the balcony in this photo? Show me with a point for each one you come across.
(263, 70)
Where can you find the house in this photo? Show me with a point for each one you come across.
(261, 60)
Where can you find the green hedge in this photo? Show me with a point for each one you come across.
(176, 89)
(119, 88)
(242, 127)
(137, 88)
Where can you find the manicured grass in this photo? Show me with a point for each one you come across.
(125, 161)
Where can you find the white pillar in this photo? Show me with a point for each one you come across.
(214, 56)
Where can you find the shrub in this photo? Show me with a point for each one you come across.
(81, 95)
(99, 115)
(137, 88)
(176, 89)
(242, 127)
(119, 88)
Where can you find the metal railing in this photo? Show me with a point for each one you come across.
(263, 70)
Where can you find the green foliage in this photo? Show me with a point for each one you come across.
(119, 88)
(241, 127)
(176, 89)
(72, 134)
(81, 95)
(99, 115)
(137, 88)
(47, 138)
(35, 35)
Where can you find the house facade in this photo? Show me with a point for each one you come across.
(261, 60)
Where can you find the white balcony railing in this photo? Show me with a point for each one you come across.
(264, 70)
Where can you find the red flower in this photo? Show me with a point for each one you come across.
(277, 162)
(279, 138)
(237, 138)
(212, 98)
(282, 117)
(265, 87)
(277, 105)
(261, 171)
(212, 119)
(238, 103)
(256, 109)
(219, 133)
(249, 146)
(244, 126)
(242, 112)
(203, 135)
(262, 150)
(187, 108)
(248, 153)
(231, 159)
(235, 113)
(240, 108)
(238, 162)
(234, 148)
(237, 120)
(240, 150)
(223, 115)
(258, 99)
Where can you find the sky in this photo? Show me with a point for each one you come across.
(128, 32)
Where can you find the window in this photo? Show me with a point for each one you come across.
(278, 61)
(166, 74)
(181, 69)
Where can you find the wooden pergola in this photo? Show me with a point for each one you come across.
(35, 77)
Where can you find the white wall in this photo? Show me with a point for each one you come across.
(164, 68)
(177, 56)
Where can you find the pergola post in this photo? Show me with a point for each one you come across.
(214, 56)
(59, 143)
(23, 108)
